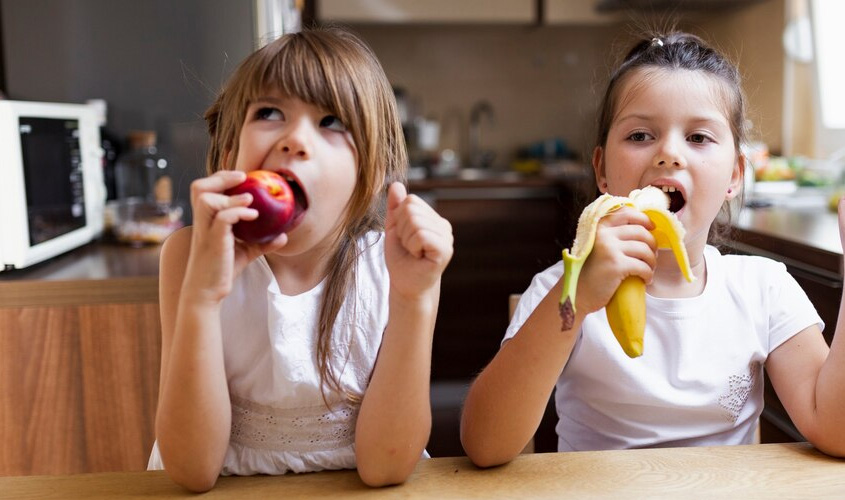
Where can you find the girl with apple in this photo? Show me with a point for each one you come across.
(309, 349)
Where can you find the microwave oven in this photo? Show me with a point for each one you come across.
(52, 193)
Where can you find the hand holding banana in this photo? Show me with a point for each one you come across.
(626, 308)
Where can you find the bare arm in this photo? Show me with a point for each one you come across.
(810, 379)
(198, 264)
(194, 415)
(395, 418)
(506, 402)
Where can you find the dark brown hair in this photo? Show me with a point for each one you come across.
(680, 51)
(336, 71)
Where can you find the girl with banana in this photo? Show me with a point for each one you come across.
(650, 336)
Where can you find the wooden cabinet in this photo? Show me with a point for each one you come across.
(505, 233)
(584, 12)
(429, 11)
(549, 12)
(79, 362)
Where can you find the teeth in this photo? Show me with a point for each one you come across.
(668, 189)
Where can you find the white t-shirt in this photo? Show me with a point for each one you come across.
(700, 379)
(279, 420)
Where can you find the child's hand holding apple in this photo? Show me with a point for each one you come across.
(274, 200)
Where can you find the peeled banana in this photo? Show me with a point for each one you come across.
(626, 309)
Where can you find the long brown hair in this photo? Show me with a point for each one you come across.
(336, 71)
(679, 50)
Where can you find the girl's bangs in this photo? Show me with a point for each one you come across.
(296, 71)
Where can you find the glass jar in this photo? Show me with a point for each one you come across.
(143, 172)
(145, 211)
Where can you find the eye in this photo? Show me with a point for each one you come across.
(639, 137)
(267, 113)
(333, 123)
(698, 138)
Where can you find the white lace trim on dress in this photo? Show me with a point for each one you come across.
(309, 429)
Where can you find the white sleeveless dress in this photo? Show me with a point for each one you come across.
(280, 422)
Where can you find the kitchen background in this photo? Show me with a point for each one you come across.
(530, 69)
(485, 83)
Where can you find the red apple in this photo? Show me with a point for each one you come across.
(274, 200)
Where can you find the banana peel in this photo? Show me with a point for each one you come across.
(626, 308)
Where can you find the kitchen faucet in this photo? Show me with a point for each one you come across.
(477, 156)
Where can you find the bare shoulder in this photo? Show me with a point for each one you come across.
(173, 261)
(175, 249)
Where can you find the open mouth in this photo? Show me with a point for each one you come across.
(676, 198)
(299, 197)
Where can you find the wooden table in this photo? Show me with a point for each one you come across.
(794, 470)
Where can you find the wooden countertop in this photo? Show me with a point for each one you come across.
(806, 235)
(96, 273)
(107, 272)
(794, 470)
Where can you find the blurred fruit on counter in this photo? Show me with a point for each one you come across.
(775, 168)
(818, 173)
(833, 200)
(804, 171)
(527, 165)
(531, 158)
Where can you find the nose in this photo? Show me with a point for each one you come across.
(669, 155)
(295, 140)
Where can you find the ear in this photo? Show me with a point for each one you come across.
(598, 169)
(737, 176)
